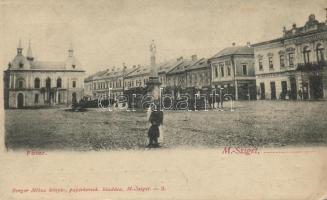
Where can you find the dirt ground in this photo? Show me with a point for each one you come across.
(252, 123)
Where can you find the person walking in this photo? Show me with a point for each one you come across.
(156, 119)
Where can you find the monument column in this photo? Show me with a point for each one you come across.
(154, 83)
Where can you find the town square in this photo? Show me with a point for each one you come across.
(267, 93)
(163, 99)
(259, 124)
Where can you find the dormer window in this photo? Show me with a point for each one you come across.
(21, 65)
(73, 66)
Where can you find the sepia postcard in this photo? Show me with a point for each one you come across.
(163, 99)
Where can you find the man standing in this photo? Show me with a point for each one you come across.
(156, 119)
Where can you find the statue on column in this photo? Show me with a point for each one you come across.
(153, 49)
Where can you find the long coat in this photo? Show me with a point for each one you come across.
(156, 118)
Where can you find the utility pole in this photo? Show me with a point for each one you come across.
(124, 73)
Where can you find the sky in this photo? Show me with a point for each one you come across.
(107, 33)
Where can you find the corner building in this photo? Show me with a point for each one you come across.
(294, 65)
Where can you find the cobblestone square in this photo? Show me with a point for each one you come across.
(253, 123)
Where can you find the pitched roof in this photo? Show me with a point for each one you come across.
(105, 74)
(167, 66)
(238, 50)
(48, 65)
(181, 66)
(202, 63)
(142, 70)
(96, 75)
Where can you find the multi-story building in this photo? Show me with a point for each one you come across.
(233, 69)
(138, 78)
(164, 68)
(92, 85)
(198, 76)
(293, 66)
(32, 83)
(176, 78)
(108, 82)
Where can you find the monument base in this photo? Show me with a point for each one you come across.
(154, 87)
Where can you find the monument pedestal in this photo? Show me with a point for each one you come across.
(154, 87)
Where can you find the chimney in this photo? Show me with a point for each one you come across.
(233, 44)
(248, 44)
(194, 57)
(113, 68)
(294, 25)
(284, 30)
(180, 58)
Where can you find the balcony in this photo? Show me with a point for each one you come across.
(311, 66)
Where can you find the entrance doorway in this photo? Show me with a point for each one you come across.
(293, 94)
(305, 91)
(273, 90)
(74, 99)
(20, 100)
(59, 98)
(316, 87)
(284, 90)
(262, 91)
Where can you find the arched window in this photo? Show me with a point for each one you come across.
(36, 83)
(320, 53)
(59, 83)
(306, 54)
(48, 83)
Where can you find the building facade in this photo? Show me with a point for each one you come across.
(176, 78)
(198, 76)
(32, 83)
(108, 82)
(233, 70)
(293, 66)
(93, 85)
(138, 78)
(164, 68)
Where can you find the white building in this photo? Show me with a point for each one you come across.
(294, 65)
(32, 83)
